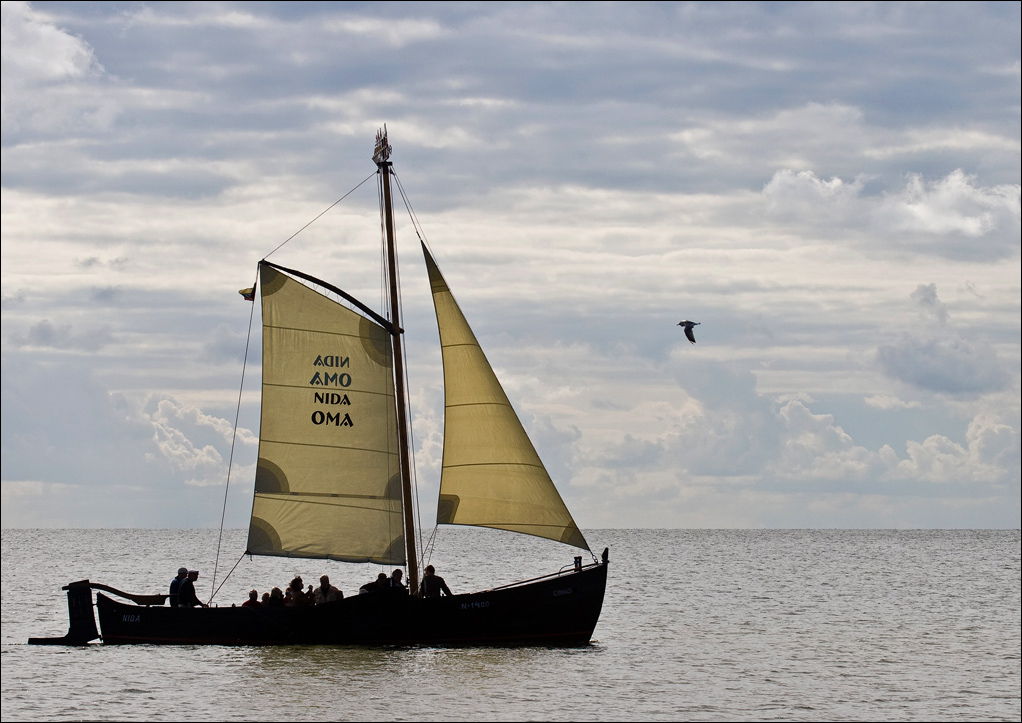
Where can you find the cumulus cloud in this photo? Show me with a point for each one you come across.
(953, 205)
(36, 51)
(937, 358)
(994, 442)
(189, 441)
(990, 454)
(724, 429)
(79, 433)
(952, 217)
(803, 196)
(815, 448)
(40, 60)
(736, 431)
(727, 435)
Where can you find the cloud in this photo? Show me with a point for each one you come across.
(803, 197)
(79, 433)
(396, 32)
(589, 174)
(801, 136)
(41, 64)
(817, 449)
(937, 358)
(224, 345)
(47, 336)
(720, 428)
(955, 206)
(717, 438)
(188, 442)
(737, 430)
(930, 307)
(887, 402)
(951, 217)
(36, 51)
(991, 455)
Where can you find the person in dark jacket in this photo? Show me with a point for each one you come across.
(432, 584)
(186, 597)
(175, 586)
(380, 584)
(396, 585)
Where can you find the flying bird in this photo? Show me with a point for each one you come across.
(688, 329)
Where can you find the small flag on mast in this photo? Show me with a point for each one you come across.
(248, 293)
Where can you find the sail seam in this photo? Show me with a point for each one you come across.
(285, 495)
(323, 503)
(336, 558)
(479, 404)
(495, 464)
(367, 392)
(329, 446)
(512, 526)
(305, 329)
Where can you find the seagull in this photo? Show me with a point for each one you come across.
(688, 329)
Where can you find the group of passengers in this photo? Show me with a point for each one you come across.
(182, 590)
(432, 585)
(295, 595)
(384, 584)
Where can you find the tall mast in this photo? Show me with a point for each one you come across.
(381, 156)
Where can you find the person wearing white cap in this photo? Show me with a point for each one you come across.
(175, 586)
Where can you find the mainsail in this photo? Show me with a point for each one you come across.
(491, 475)
(327, 483)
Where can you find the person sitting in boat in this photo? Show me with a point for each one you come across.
(395, 582)
(276, 599)
(432, 584)
(253, 600)
(175, 586)
(326, 592)
(298, 595)
(186, 597)
(380, 584)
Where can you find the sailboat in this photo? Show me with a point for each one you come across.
(333, 481)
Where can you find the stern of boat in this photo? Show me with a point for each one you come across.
(80, 613)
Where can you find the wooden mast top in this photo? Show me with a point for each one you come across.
(381, 155)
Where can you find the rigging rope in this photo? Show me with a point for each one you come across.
(237, 415)
(421, 236)
(226, 577)
(411, 214)
(282, 243)
(234, 439)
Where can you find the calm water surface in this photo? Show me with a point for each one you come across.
(697, 625)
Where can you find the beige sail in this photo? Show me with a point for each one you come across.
(492, 476)
(327, 482)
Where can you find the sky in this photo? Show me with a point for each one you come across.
(832, 190)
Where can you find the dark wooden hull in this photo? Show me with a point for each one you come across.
(559, 611)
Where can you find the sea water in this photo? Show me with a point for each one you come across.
(697, 625)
